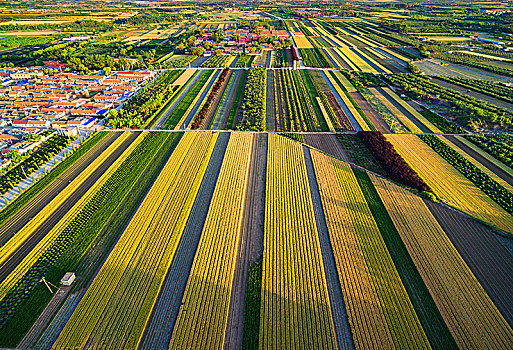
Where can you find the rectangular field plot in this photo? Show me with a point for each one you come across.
(295, 309)
(448, 183)
(229, 239)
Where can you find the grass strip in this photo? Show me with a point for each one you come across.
(252, 307)
(434, 326)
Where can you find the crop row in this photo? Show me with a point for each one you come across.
(217, 61)
(389, 118)
(313, 91)
(488, 185)
(441, 123)
(315, 58)
(493, 89)
(44, 153)
(430, 127)
(429, 316)
(25, 233)
(496, 146)
(253, 101)
(367, 319)
(469, 313)
(475, 113)
(295, 311)
(62, 169)
(309, 118)
(252, 307)
(179, 111)
(309, 58)
(401, 117)
(78, 225)
(146, 103)
(234, 108)
(207, 296)
(343, 87)
(75, 240)
(448, 183)
(328, 100)
(391, 161)
(115, 308)
(210, 99)
(161, 323)
(301, 115)
(244, 61)
(473, 61)
(401, 318)
(282, 58)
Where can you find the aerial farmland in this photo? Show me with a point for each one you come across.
(211, 175)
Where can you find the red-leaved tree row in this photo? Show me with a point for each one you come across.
(294, 54)
(210, 99)
(391, 161)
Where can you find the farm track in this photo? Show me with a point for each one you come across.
(336, 298)
(160, 325)
(371, 113)
(486, 257)
(208, 121)
(251, 244)
(29, 210)
(30, 339)
(51, 333)
(403, 110)
(10, 264)
(481, 159)
(327, 143)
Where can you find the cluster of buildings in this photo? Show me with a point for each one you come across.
(18, 141)
(236, 41)
(33, 100)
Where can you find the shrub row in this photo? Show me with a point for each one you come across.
(75, 239)
(495, 146)
(44, 153)
(253, 101)
(488, 185)
(210, 99)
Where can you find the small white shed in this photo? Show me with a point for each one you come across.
(68, 278)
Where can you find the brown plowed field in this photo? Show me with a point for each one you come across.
(371, 114)
(326, 143)
(489, 260)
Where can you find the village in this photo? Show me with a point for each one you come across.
(36, 100)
